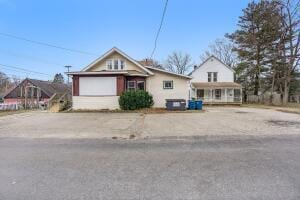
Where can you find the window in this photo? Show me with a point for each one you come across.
(116, 64)
(131, 85)
(168, 84)
(209, 76)
(215, 76)
(109, 64)
(212, 76)
(141, 85)
(218, 93)
(200, 93)
(122, 64)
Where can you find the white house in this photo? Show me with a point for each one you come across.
(99, 85)
(213, 82)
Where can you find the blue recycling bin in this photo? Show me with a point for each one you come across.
(198, 105)
(191, 105)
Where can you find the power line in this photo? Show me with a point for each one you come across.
(18, 71)
(159, 29)
(23, 69)
(47, 44)
(29, 57)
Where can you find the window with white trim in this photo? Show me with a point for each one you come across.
(122, 64)
(115, 64)
(208, 76)
(109, 64)
(168, 84)
(215, 76)
(130, 85)
(212, 76)
(141, 85)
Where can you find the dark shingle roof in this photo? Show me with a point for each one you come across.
(48, 87)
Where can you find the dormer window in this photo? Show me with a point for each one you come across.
(109, 64)
(122, 64)
(115, 64)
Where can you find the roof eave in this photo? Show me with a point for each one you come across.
(168, 72)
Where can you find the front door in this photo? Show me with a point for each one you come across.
(200, 94)
(217, 95)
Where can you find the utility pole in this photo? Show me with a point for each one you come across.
(68, 67)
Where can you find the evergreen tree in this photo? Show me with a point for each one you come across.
(58, 78)
(258, 31)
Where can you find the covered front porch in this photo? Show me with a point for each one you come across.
(217, 93)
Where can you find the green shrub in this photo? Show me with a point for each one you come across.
(133, 100)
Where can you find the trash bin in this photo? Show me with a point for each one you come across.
(175, 104)
(198, 104)
(192, 105)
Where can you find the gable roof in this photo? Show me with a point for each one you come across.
(212, 56)
(168, 72)
(48, 87)
(115, 49)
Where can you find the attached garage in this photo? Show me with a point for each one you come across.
(97, 92)
(97, 86)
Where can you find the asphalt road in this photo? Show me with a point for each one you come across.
(222, 167)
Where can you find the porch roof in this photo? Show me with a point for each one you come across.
(216, 85)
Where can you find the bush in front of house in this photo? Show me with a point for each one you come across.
(133, 100)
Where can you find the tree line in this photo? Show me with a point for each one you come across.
(264, 51)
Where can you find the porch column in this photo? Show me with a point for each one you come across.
(225, 94)
(211, 95)
(241, 95)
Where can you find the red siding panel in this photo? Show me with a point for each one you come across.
(120, 85)
(75, 85)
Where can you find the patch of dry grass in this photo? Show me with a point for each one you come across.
(290, 108)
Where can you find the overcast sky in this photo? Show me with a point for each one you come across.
(96, 26)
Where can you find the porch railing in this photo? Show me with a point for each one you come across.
(221, 99)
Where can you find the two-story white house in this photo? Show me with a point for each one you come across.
(213, 83)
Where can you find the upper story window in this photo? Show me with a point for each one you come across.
(215, 76)
(209, 76)
(212, 76)
(168, 84)
(109, 64)
(115, 64)
(122, 64)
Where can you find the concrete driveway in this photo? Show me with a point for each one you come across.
(214, 121)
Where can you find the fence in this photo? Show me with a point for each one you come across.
(10, 106)
(274, 99)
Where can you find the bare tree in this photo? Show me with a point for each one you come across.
(5, 82)
(289, 44)
(222, 49)
(179, 63)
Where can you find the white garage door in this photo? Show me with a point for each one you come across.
(97, 86)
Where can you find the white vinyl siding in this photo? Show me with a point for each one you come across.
(97, 86)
